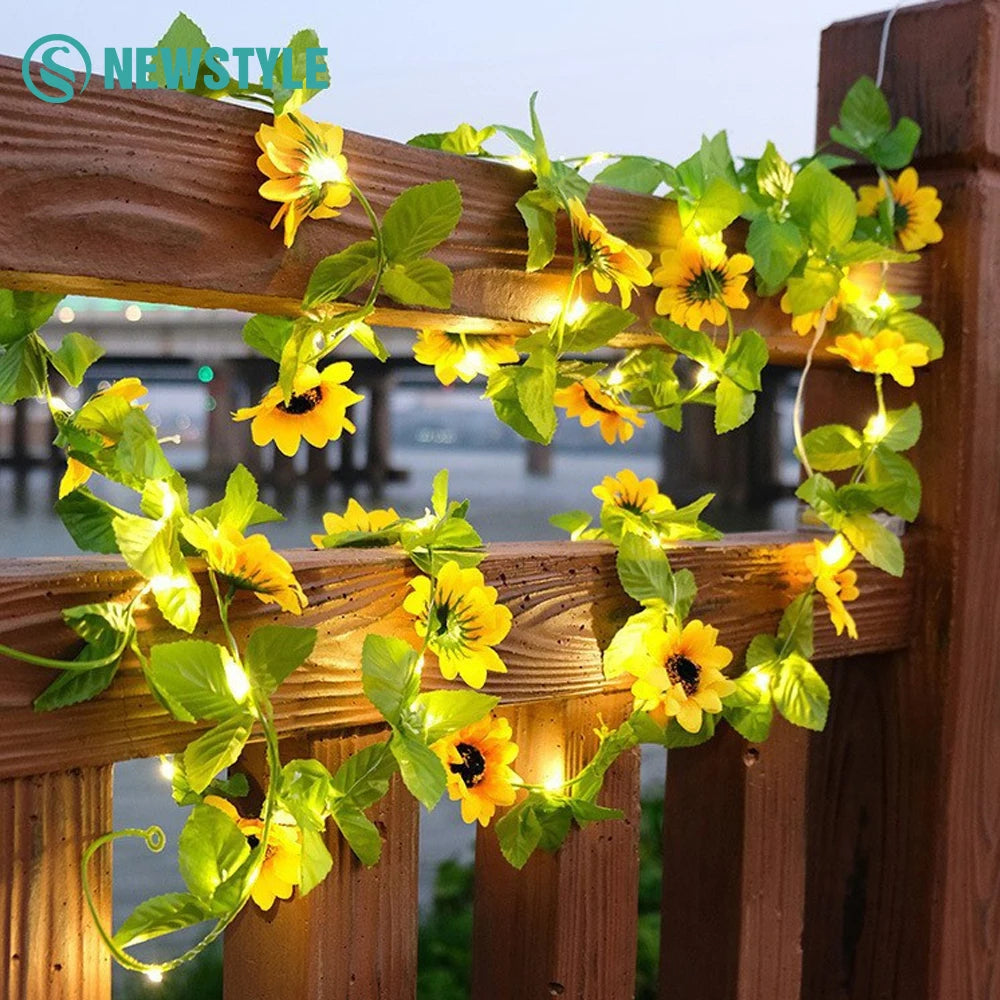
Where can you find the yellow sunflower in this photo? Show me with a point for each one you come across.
(588, 401)
(281, 869)
(317, 410)
(700, 282)
(455, 355)
(887, 353)
(305, 169)
(686, 678)
(129, 389)
(608, 258)
(477, 762)
(915, 209)
(248, 563)
(628, 491)
(465, 622)
(838, 584)
(805, 322)
(355, 518)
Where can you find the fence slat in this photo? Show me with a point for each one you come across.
(51, 947)
(354, 937)
(565, 925)
(734, 868)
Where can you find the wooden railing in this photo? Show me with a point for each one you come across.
(860, 863)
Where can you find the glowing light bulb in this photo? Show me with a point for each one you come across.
(549, 308)
(877, 426)
(167, 769)
(326, 170)
(595, 158)
(835, 551)
(576, 310)
(884, 301)
(154, 975)
(418, 667)
(236, 678)
(520, 162)
(616, 377)
(133, 313)
(705, 377)
(66, 315)
(762, 681)
(474, 359)
(553, 783)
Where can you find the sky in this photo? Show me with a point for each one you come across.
(642, 77)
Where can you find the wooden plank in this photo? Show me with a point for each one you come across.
(566, 602)
(51, 948)
(734, 830)
(565, 925)
(941, 70)
(126, 202)
(354, 937)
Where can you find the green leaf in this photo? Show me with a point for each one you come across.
(673, 736)
(823, 206)
(305, 790)
(422, 772)
(640, 174)
(183, 33)
(274, 651)
(749, 709)
(240, 507)
(643, 570)
(192, 674)
(538, 209)
(746, 359)
(439, 713)
(693, 344)
(885, 468)
(316, 862)
(465, 140)
(833, 447)
(422, 282)
(363, 334)
(23, 370)
(776, 247)
(811, 291)
(762, 652)
(895, 150)
(875, 542)
(870, 252)
(215, 750)
(733, 405)
(360, 833)
(22, 313)
(364, 777)
(820, 493)
(519, 832)
(159, 915)
(599, 323)
(901, 430)
(389, 675)
(341, 273)
(573, 521)
(501, 390)
(795, 633)
(775, 178)
(288, 99)
(627, 653)
(715, 209)
(864, 117)
(535, 382)
(210, 849)
(918, 330)
(268, 335)
(73, 686)
(419, 219)
(89, 521)
(800, 694)
(75, 355)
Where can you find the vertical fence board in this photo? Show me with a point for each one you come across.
(565, 925)
(354, 937)
(733, 868)
(52, 948)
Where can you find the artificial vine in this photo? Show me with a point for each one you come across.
(809, 235)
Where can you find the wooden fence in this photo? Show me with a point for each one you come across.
(860, 863)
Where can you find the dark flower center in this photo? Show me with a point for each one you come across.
(594, 405)
(706, 285)
(253, 841)
(901, 216)
(441, 612)
(683, 671)
(473, 766)
(304, 402)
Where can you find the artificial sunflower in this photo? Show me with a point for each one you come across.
(700, 282)
(838, 584)
(608, 258)
(887, 353)
(129, 389)
(281, 869)
(915, 209)
(454, 355)
(248, 563)
(802, 324)
(628, 491)
(477, 762)
(355, 518)
(317, 410)
(686, 679)
(465, 622)
(588, 401)
(305, 169)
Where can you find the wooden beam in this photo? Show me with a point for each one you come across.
(566, 602)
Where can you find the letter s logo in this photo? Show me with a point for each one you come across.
(60, 78)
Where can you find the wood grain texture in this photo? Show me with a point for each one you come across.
(51, 949)
(565, 597)
(942, 69)
(734, 868)
(565, 925)
(354, 937)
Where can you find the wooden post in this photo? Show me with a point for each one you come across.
(565, 925)
(378, 460)
(52, 949)
(903, 789)
(355, 936)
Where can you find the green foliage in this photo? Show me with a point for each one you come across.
(865, 126)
